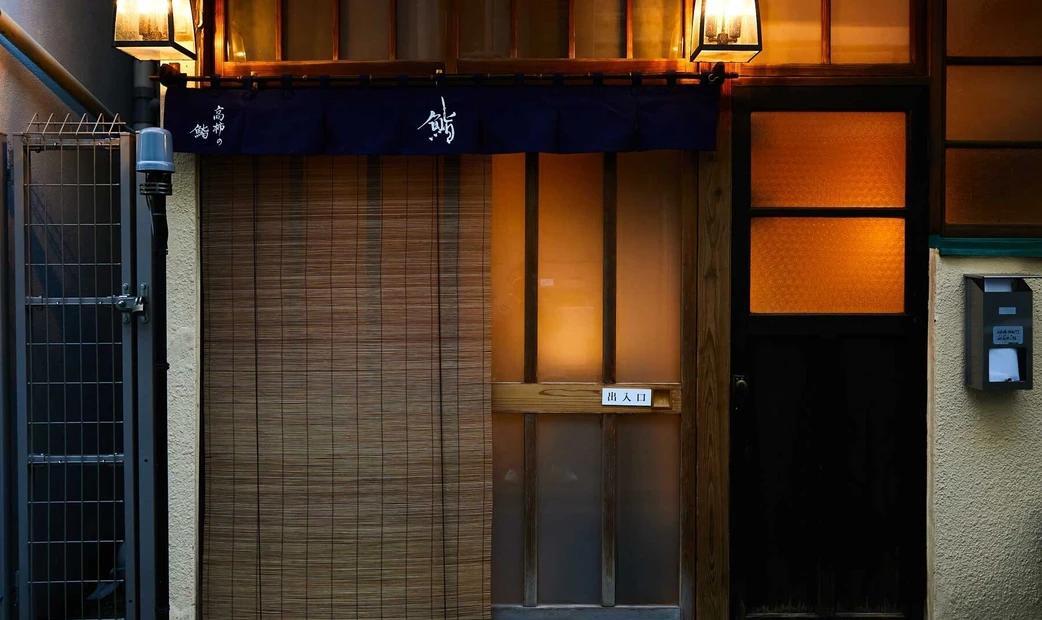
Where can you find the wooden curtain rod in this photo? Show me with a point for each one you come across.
(172, 76)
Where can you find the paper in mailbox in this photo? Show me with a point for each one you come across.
(1003, 365)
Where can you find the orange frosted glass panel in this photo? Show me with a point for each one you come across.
(648, 267)
(994, 28)
(571, 261)
(791, 32)
(508, 267)
(994, 186)
(828, 159)
(870, 32)
(808, 265)
(994, 103)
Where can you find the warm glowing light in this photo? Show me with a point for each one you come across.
(724, 19)
(143, 30)
(727, 31)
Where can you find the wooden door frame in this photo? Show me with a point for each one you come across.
(914, 101)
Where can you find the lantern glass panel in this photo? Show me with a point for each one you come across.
(184, 26)
(142, 29)
(727, 30)
(142, 20)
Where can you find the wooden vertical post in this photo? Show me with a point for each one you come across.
(714, 371)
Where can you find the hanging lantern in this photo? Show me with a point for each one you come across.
(155, 29)
(727, 30)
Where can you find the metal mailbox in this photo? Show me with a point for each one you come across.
(999, 320)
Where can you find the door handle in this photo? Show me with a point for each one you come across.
(739, 392)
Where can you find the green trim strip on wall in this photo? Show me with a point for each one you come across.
(987, 246)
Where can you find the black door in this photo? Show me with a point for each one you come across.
(828, 422)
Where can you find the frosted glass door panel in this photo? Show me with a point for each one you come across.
(508, 457)
(508, 267)
(809, 265)
(648, 267)
(571, 235)
(649, 510)
(828, 159)
(569, 479)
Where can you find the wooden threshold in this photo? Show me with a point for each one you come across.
(578, 398)
(585, 612)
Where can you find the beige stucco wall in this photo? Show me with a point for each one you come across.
(984, 499)
(183, 342)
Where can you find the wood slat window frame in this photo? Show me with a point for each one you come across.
(916, 69)
(941, 60)
(217, 62)
(531, 398)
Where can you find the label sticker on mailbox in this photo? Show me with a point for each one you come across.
(625, 397)
(1010, 334)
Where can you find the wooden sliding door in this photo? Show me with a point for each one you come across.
(590, 514)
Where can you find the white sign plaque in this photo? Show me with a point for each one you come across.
(625, 397)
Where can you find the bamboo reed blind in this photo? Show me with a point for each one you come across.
(347, 387)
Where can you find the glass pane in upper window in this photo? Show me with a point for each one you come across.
(994, 28)
(827, 265)
(994, 103)
(543, 29)
(1002, 187)
(828, 159)
(484, 28)
(648, 267)
(364, 26)
(308, 30)
(870, 32)
(421, 30)
(791, 32)
(251, 30)
(657, 29)
(508, 267)
(571, 265)
(600, 28)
